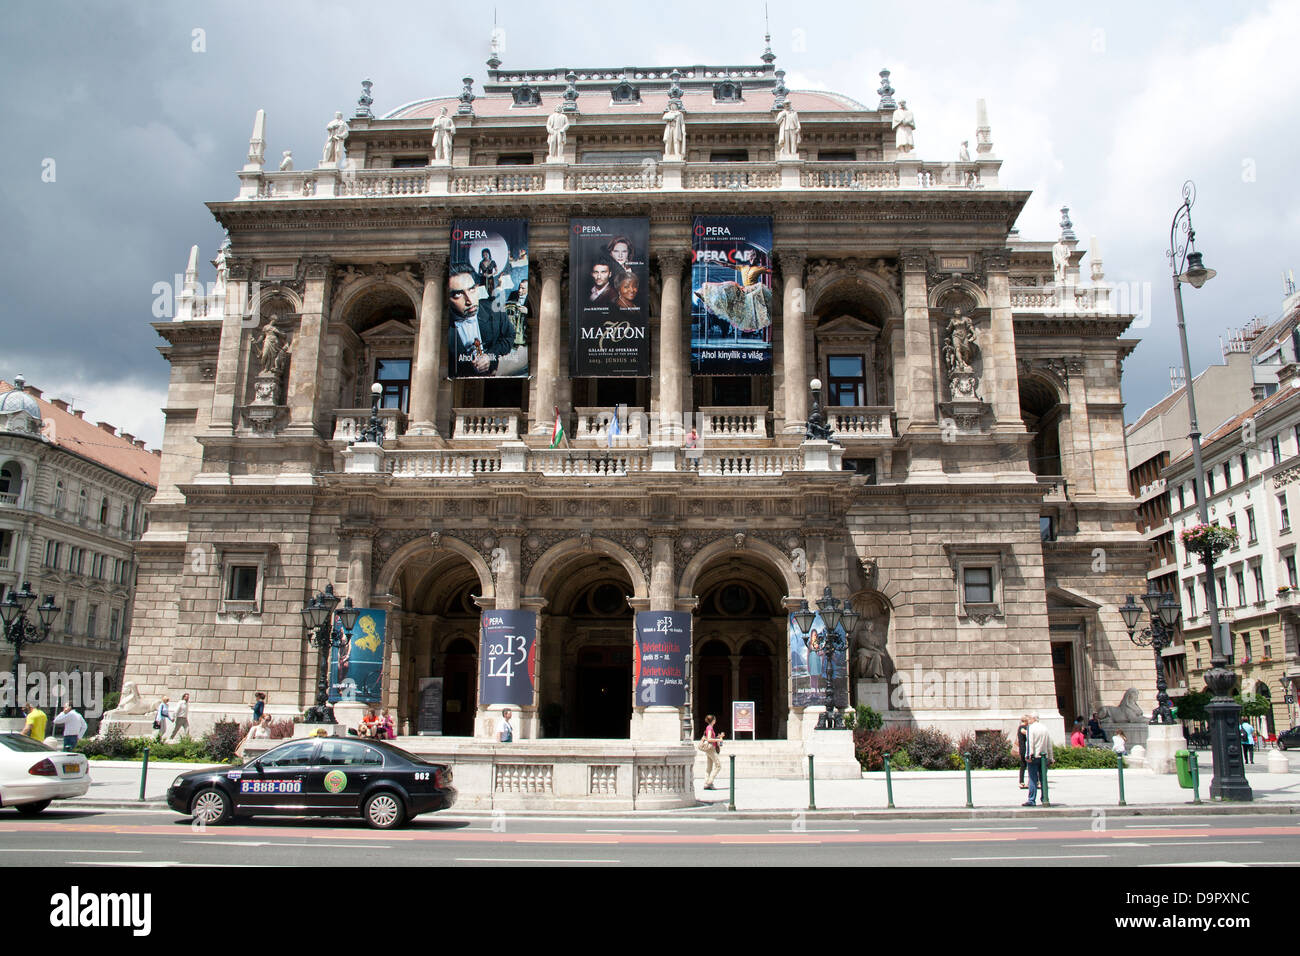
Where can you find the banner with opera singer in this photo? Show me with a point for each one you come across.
(487, 299)
(731, 295)
(662, 639)
(608, 292)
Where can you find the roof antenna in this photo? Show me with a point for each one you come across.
(768, 56)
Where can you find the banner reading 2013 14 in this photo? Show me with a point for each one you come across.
(731, 295)
(608, 292)
(487, 299)
(509, 655)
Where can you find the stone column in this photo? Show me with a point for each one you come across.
(355, 550)
(658, 722)
(671, 370)
(305, 371)
(228, 352)
(551, 266)
(917, 376)
(426, 375)
(1001, 384)
(792, 340)
(503, 561)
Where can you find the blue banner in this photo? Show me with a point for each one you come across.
(811, 668)
(659, 669)
(509, 657)
(357, 664)
(731, 295)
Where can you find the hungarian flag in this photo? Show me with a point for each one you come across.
(557, 433)
(614, 429)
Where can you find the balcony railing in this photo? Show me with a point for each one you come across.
(613, 178)
(576, 463)
(852, 422)
(348, 423)
(485, 181)
(594, 425)
(486, 424)
(440, 464)
(384, 182)
(764, 463)
(733, 422)
(9, 500)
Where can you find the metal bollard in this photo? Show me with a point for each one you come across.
(965, 758)
(144, 773)
(812, 795)
(889, 783)
(732, 804)
(1042, 764)
(1120, 764)
(1196, 777)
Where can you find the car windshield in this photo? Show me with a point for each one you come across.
(21, 744)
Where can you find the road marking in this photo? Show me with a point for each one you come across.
(1162, 826)
(525, 859)
(634, 831)
(337, 846)
(1090, 846)
(1075, 856)
(1200, 863)
(70, 850)
(980, 829)
(814, 830)
(1211, 843)
(153, 863)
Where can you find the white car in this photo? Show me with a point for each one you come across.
(32, 774)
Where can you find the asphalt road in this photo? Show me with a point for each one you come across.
(86, 838)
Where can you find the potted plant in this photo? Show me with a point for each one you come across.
(1208, 539)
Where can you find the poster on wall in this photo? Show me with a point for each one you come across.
(808, 666)
(487, 299)
(608, 294)
(731, 295)
(509, 657)
(429, 720)
(659, 667)
(357, 663)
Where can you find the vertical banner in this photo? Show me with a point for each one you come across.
(509, 657)
(808, 665)
(608, 291)
(357, 664)
(487, 299)
(659, 669)
(731, 295)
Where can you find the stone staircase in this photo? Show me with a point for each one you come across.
(773, 759)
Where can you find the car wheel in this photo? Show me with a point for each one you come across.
(31, 809)
(384, 810)
(210, 807)
(1281, 745)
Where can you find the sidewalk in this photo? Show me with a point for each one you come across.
(116, 785)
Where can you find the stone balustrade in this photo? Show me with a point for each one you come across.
(576, 463)
(349, 422)
(731, 176)
(733, 421)
(495, 180)
(594, 425)
(383, 182)
(438, 463)
(855, 422)
(613, 178)
(9, 500)
(1053, 298)
(486, 424)
(748, 462)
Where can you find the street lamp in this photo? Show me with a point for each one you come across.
(1229, 781)
(838, 621)
(19, 631)
(373, 430)
(1164, 612)
(317, 618)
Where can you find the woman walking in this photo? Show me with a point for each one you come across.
(711, 743)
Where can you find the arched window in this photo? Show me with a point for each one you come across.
(11, 479)
(81, 503)
(103, 510)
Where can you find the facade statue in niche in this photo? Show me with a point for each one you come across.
(336, 132)
(904, 126)
(557, 127)
(443, 130)
(674, 132)
(787, 133)
(959, 352)
(272, 350)
(869, 658)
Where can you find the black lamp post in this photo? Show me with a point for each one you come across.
(1229, 781)
(20, 631)
(838, 621)
(1164, 611)
(816, 428)
(373, 431)
(318, 618)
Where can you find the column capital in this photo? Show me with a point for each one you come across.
(239, 268)
(914, 260)
(316, 267)
(434, 266)
(551, 264)
(671, 261)
(997, 260)
(792, 263)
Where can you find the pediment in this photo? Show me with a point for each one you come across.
(391, 329)
(1061, 599)
(846, 327)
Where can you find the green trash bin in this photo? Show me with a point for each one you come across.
(1183, 761)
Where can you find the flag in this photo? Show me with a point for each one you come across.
(557, 433)
(614, 429)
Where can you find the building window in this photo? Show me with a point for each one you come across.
(1191, 600)
(71, 626)
(1283, 512)
(846, 379)
(1227, 473)
(1289, 561)
(1250, 526)
(395, 377)
(1245, 644)
(860, 466)
(52, 554)
(516, 159)
(6, 542)
(1182, 501)
(1276, 447)
(91, 614)
(1232, 523)
(977, 585)
(124, 524)
(103, 511)
(1223, 592)
(836, 156)
(1046, 528)
(81, 503)
(410, 162)
(1264, 641)
(114, 621)
(1209, 481)
(1258, 574)
(1245, 467)
(1241, 588)
(729, 156)
(58, 496)
(242, 583)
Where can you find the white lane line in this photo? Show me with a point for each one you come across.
(1095, 843)
(1163, 826)
(69, 850)
(814, 830)
(981, 829)
(525, 859)
(1200, 863)
(1208, 843)
(632, 831)
(152, 863)
(1075, 856)
(336, 846)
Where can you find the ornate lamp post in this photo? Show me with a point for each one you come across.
(839, 620)
(1229, 782)
(816, 428)
(373, 431)
(19, 631)
(317, 618)
(1164, 612)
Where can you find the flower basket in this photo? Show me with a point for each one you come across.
(1208, 539)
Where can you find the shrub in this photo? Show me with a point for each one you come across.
(930, 749)
(900, 761)
(280, 729)
(1084, 758)
(221, 741)
(870, 746)
(991, 751)
(867, 719)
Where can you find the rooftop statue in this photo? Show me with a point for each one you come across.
(787, 133)
(674, 132)
(904, 126)
(337, 132)
(557, 125)
(443, 130)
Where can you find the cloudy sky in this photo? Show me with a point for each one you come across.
(125, 118)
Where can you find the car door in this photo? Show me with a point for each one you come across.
(341, 773)
(277, 780)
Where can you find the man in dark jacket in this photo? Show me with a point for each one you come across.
(478, 335)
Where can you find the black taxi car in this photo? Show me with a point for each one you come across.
(319, 776)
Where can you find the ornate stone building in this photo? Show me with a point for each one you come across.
(972, 502)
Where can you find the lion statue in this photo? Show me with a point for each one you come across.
(1128, 710)
(130, 704)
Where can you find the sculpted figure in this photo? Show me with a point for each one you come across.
(787, 133)
(443, 130)
(1060, 260)
(557, 125)
(286, 161)
(1128, 711)
(272, 351)
(904, 126)
(869, 662)
(961, 343)
(337, 132)
(674, 133)
(130, 704)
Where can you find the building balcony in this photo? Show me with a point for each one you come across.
(1065, 299)
(349, 423)
(860, 422)
(486, 424)
(9, 500)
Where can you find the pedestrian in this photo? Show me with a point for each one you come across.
(1022, 748)
(507, 732)
(1120, 743)
(1040, 749)
(710, 744)
(72, 724)
(35, 724)
(160, 718)
(387, 731)
(1094, 727)
(692, 439)
(1077, 739)
(261, 730)
(1248, 740)
(181, 720)
(259, 705)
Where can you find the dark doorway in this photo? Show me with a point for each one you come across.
(460, 684)
(1063, 676)
(713, 684)
(756, 685)
(604, 693)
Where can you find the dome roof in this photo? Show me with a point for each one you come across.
(17, 400)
